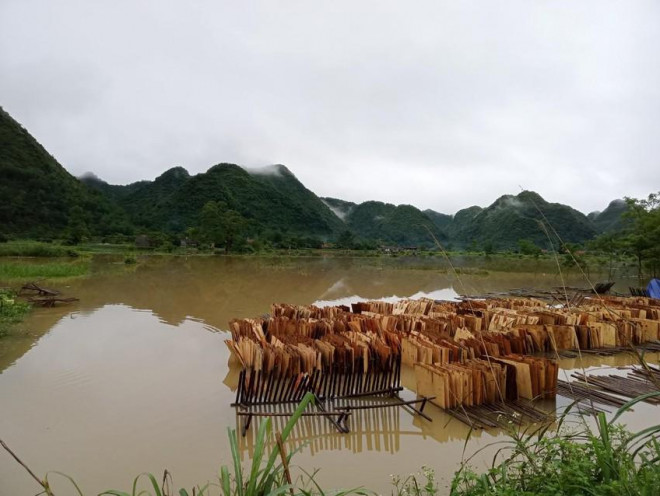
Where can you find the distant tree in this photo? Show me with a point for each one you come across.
(609, 244)
(642, 239)
(528, 247)
(346, 240)
(220, 226)
(211, 229)
(573, 255)
(234, 225)
(77, 226)
(277, 238)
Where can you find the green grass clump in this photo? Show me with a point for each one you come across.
(605, 460)
(35, 249)
(12, 310)
(54, 270)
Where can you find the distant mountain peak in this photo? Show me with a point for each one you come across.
(532, 196)
(224, 166)
(89, 176)
(270, 170)
(611, 218)
(177, 172)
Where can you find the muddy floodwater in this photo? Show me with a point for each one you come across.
(135, 377)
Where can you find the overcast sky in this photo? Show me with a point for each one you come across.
(441, 105)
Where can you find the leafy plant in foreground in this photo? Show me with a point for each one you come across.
(12, 310)
(605, 460)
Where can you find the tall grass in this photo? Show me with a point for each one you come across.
(35, 249)
(602, 460)
(13, 270)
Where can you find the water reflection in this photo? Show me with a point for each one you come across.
(131, 379)
(370, 430)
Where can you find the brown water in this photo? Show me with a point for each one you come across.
(135, 376)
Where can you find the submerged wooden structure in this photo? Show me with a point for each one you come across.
(467, 356)
(43, 297)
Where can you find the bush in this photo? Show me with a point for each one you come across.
(12, 310)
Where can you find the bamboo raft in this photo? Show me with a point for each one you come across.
(498, 414)
(637, 382)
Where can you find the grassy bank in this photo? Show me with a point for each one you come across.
(590, 262)
(17, 271)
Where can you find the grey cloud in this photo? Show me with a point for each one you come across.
(437, 104)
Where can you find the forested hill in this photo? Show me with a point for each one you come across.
(340, 208)
(401, 225)
(228, 203)
(267, 199)
(610, 219)
(40, 199)
(513, 218)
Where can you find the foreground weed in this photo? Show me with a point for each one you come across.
(411, 486)
(604, 460)
(35, 249)
(12, 310)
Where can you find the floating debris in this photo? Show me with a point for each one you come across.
(32, 287)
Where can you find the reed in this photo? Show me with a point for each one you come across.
(35, 249)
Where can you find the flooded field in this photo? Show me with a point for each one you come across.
(135, 377)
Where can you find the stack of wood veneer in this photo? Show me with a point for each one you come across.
(464, 353)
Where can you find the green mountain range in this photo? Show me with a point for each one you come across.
(524, 216)
(401, 225)
(40, 199)
(610, 219)
(270, 198)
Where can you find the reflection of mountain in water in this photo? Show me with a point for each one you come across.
(439, 294)
(217, 289)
